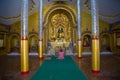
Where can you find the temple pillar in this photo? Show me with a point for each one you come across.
(24, 38)
(5, 39)
(43, 40)
(8, 45)
(114, 41)
(46, 39)
(74, 35)
(95, 38)
(79, 29)
(74, 38)
(40, 54)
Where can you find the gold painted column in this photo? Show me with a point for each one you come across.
(40, 54)
(115, 41)
(8, 45)
(5, 36)
(79, 29)
(24, 38)
(95, 38)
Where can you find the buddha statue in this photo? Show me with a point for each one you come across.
(60, 33)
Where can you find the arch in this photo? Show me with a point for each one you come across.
(87, 41)
(86, 33)
(59, 7)
(105, 40)
(33, 34)
(33, 43)
(15, 42)
(15, 34)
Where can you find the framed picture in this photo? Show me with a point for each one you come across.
(1, 40)
(118, 40)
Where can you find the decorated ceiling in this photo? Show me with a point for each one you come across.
(10, 10)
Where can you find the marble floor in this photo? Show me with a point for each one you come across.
(110, 67)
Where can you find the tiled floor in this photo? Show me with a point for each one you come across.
(110, 67)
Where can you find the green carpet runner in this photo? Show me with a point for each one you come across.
(55, 69)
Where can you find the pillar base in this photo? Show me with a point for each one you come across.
(95, 71)
(25, 72)
(41, 58)
(79, 57)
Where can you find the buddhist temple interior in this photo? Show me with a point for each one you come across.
(86, 30)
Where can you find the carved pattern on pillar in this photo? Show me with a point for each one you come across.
(24, 38)
(95, 37)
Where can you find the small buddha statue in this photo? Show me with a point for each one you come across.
(60, 33)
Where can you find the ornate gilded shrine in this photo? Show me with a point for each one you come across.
(59, 31)
(60, 28)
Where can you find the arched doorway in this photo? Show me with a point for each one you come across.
(33, 43)
(87, 42)
(15, 43)
(105, 42)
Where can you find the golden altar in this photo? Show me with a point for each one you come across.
(59, 43)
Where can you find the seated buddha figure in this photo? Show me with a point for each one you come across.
(60, 33)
